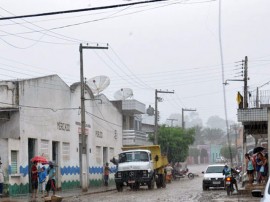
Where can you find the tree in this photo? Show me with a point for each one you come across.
(199, 139)
(225, 151)
(175, 142)
(214, 135)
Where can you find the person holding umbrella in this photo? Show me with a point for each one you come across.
(34, 179)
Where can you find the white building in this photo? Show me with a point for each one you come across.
(41, 116)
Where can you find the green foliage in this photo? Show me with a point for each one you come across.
(175, 142)
(225, 151)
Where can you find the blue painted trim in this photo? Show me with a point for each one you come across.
(22, 170)
(99, 170)
(70, 170)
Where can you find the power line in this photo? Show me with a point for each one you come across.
(79, 10)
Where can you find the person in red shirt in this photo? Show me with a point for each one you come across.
(107, 171)
(34, 179)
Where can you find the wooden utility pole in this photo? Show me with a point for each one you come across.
(172, 120)
(84, 166)
(156, 113)
(245, 82)
(183, 122)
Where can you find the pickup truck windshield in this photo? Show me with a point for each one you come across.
(133, 156)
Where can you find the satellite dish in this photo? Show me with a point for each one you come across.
(123, 94)
(98, 84)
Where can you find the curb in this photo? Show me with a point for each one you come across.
(89, 193)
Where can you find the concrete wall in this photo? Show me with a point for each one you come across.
(11, 128)
(7, 94)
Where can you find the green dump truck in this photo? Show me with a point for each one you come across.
(141, 166)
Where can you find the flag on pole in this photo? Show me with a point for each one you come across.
(239, 98)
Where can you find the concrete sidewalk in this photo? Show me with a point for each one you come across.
(65, 194)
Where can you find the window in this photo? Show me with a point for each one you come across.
(44, 148)
(98, 155)
(111, 153)
(66, 151)
(14, 162)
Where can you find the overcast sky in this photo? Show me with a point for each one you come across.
(170, 45)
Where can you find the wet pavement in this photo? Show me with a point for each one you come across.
(67, 195)
(183, 190)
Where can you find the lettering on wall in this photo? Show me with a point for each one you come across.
(99, 134)
(63, 126)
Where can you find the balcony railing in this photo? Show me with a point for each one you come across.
(133, 107)
(259, 99)
(133, 137)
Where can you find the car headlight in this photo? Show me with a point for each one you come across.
(207, 178)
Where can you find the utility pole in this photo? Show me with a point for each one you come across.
(156, 112)
(84, 170)
(245, 106)
(172, 120)
(245, 82)
(245, 99)
(183, 122)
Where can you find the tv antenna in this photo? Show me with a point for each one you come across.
(123, 94)
(98, 84)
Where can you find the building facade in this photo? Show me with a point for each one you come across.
(42, 116)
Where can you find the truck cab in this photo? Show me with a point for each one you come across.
(140, 166)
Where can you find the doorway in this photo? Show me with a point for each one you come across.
(55, 159)
(31, 154)
(105, 155)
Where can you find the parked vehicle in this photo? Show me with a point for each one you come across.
(265, 196)
(213, 176)
(177, 174)
(140, 166)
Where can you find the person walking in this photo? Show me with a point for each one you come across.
(169, 170)
(263, 168)
(42, 179)
(1, 180)
(107, 171)
(258, 162)
(51, 181)
(250, 168)
(34, 179)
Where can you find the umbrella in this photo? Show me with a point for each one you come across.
(39, 159)
(258, 149)
(50, 163)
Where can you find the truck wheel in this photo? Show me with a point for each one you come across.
(163, 181)
(204, 187)
(151, 184)
(119, 187)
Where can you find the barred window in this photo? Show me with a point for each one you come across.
(66, 151)
(14, 162)
(44, 148)
(98, 154)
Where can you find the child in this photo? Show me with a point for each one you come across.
(42, 179)
(107, 171)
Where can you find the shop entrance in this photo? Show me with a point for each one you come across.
(31, 154)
